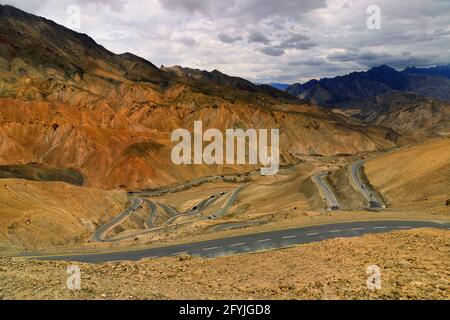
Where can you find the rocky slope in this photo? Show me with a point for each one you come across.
(48, 214)
(67, 102)
(409, 114)
(415, 176)
(36, 172)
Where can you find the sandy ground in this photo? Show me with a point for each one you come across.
(415, 177)
(47, 214)
(414, 264)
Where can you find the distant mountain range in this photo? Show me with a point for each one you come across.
(415, 101)
(360, 89)
(280, 86)
(443, 71)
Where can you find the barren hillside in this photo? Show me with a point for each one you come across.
(417, 175)
(45, 214)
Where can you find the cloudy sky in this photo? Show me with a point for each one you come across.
(262, 40)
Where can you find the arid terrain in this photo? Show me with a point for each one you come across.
(86, 169)
(73, 111)
(415, 177)
(414, 265)
(38, 214)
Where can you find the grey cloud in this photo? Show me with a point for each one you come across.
(400, 62)
(188, 42)
(294, 41)
(252, 10)
(314, 61)
(260, 9)
(258, 37)
(372, 59)
(343, 56)
(27, 5)
(297, 41)
(113, 4)
(272, 51)
(187, 5)
(228, 39)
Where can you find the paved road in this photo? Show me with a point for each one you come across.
(256, 242)
(229, 203)
(362, 187)
(172, 213)
(196, 182)
(197, 209)
(150, 222)
(327, 190)
(190, 184)
(99, 234)
(204, 204)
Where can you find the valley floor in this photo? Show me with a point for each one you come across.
(64, 219)
(414, 264)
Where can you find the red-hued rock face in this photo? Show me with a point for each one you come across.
(131, 146)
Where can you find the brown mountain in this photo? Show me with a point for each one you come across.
(410, 114)
(69, 103)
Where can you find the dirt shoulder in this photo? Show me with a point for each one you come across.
(414, 265)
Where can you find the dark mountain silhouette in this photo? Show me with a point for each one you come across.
(280, 86)
(443, 71)
(414, 102)
(360, 89)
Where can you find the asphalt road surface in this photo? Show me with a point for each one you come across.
(172, 213)
(327, 190)
(149, 223)
(362, 187)
(99, 234)
(189, 184)
(256, 242)
(204, 204)
(228, 204)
